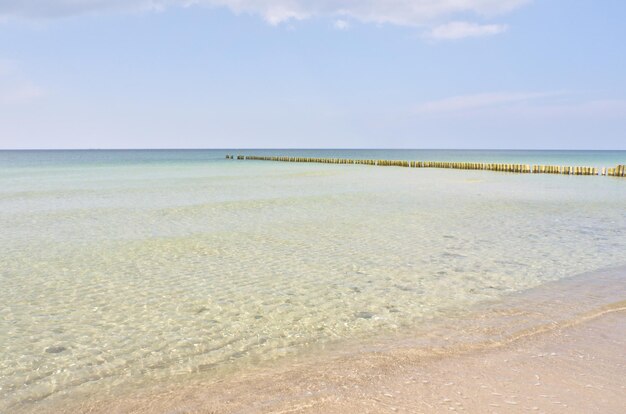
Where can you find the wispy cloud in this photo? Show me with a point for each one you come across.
(571, 110)
(481, 100)
(394, 12)
(460, 30)
(519, 106)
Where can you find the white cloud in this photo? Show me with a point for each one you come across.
(14, 88)
(482, 100)
(341, 25)
(395, 12)
(460, 30)
(64, 8)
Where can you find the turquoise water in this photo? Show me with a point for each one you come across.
(126, 268)
(107, 157)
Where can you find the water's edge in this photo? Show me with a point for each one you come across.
(518, 317)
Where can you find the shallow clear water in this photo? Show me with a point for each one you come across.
(126, 267)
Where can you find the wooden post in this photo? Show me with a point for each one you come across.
(617, 171)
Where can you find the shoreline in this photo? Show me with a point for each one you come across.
(558, 332)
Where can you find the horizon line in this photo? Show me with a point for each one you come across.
(305, 149)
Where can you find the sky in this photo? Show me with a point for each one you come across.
(518, 74)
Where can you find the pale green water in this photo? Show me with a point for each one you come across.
(122, 268)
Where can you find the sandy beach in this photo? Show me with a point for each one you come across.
(575, 364)
(312, 207)
(577, 369)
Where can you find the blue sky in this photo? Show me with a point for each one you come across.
(300, 73)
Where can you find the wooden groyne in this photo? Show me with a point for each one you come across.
(617, 171)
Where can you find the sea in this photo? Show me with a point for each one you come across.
(126, 269)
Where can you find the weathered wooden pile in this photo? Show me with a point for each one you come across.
(618, 171)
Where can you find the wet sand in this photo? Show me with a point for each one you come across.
(571, 365)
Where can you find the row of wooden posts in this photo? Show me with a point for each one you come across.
(618, 171)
